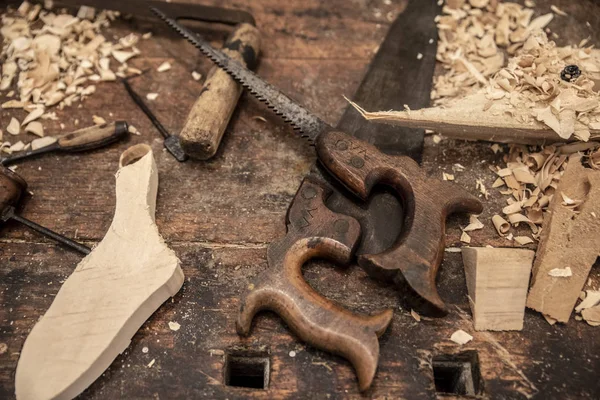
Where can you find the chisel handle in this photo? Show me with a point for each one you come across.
(92, 137)
(208, 118)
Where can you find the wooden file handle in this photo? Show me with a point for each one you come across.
(417, 254)
(315, 231)
(208, 118)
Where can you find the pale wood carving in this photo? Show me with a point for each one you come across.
(111, 293)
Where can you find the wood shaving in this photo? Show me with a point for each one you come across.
(465, 238)
(14, 127)
(416, 316)
(592, 298)
(558, 11)
(19, 146)
(174, 326)
(36, 128)
(151, 363)
(42, 142)
(502, 226)
(33, 115)
(592, 316)
(461, 337)
(447, 177)
(164, 67)
(98, 120)
(196, 76)
(561, 272)
(152, 96)
(474, 224)
(523, 240)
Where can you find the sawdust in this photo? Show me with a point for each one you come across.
(52, 59)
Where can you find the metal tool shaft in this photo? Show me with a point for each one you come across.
(52, 235)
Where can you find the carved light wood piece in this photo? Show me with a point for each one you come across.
(111, 293)
(315, 231)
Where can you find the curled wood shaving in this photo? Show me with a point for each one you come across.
(197, 76)
(502, 226)
(523, 240)
(465, 238)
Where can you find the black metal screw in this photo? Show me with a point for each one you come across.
(570, 73)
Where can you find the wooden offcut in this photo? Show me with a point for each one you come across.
(210, 114)
(497, 281)
(570, 238)
(112, 292)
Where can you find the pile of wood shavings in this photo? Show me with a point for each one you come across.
(532, 87)
(53, 59)
(473, 36)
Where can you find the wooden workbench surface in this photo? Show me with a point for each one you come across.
(219, 217)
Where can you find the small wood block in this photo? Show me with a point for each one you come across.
(108, 297)
(497, 280)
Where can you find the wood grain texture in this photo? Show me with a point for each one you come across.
(220, 215)
(570, 238)
(111, 293)
(210, 114)
(497, 281)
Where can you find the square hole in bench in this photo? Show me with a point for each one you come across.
(458, 374)
(247, 371)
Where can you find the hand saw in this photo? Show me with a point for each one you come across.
(359, 166)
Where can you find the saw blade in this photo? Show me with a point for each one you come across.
(303, 121)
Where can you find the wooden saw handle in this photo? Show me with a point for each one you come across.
(315, 231)
(208, 118)
(416, 256)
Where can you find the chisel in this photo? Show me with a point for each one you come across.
(12, 187)
(82, 140)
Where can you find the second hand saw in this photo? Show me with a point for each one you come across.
(359, 166)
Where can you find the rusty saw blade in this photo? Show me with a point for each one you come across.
(400, 73)
(398, 67)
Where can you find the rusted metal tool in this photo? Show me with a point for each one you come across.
(84, 139)
(313, 231)
(12, 187)
(359, 166)
(171, 142)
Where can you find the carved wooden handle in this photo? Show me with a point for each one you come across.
(417, 254)
(210, 115)
(93, 137)
(315, 231)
